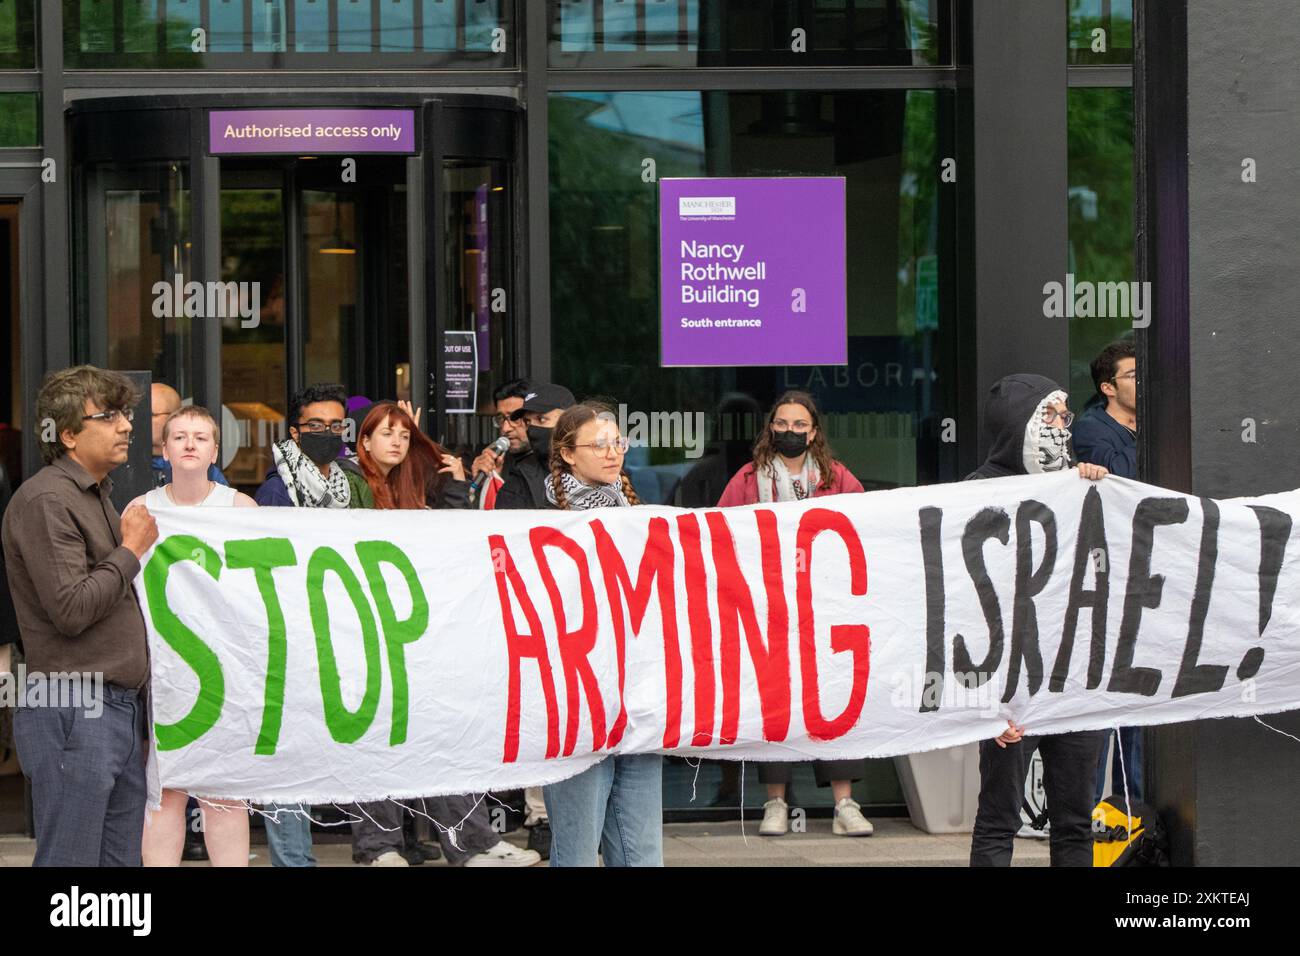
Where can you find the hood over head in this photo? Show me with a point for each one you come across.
(1010, 406)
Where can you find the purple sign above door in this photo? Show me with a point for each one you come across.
(752, 272)
(311, 131)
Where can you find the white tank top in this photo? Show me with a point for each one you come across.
(221, 496)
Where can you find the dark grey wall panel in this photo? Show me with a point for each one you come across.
(1216, 780)
(1020, 188)
(1244, 101)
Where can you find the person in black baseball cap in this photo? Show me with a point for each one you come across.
(526, 487)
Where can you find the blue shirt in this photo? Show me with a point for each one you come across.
(1100, 440)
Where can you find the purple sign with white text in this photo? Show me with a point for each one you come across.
(752, 272)
(311, 131)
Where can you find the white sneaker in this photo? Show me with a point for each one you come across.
(389, 858)
(504, 854)
(776, 818)
(849, 820)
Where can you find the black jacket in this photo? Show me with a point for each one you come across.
(1007, 408)
(525, 486)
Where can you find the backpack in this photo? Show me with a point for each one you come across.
(1137, 838)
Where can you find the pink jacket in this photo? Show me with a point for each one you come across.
(743, 487)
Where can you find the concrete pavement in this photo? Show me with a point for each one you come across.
(895, 843)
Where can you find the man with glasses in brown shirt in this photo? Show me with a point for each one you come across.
(71, 561)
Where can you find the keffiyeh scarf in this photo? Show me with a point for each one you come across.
(306, 485)
(775, 483)
(580, 496)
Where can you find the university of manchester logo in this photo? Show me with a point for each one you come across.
(692, 207)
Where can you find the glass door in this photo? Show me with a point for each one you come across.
(254, 382)
(479, 331)
(327, 262)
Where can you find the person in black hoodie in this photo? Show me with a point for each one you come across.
(1028, 426)
(526, 485)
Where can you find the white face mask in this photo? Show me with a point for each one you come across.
(1047, 447)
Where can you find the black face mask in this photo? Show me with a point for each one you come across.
(321, 447)
(539, 440)
(790, 444)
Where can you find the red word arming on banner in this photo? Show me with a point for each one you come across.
(711, 662)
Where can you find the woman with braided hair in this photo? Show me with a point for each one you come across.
(616, 807)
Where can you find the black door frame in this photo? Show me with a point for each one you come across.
(20, 181)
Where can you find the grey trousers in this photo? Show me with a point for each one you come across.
(380, 828)
(378, 831)
(87, 776)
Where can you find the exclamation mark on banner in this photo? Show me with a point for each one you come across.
(1274, 532)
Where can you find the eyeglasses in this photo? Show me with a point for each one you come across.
(604, 446)
(110, 416)
(1065, 418)
(336, 427)
(1127, 376)
(799, 426)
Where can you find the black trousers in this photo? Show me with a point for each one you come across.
(1069, 775)
(824, 771)
(380, 828)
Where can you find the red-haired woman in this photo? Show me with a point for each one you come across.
(792, 461)
(407, 469)
(403, 466)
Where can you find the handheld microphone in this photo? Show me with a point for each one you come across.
(498, 447)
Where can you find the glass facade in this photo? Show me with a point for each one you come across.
(1100, 31)
(883, 411)
(1101, 218)
(297, 34)
(254, 384)
(729, 33)
(878, 94)
(883, 408)
(17, 34)
(20, 123)
(137, 222)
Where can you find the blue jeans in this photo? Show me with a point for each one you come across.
(615, 807)
(1130, 741)
(289, 837)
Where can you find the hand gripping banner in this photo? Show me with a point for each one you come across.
(331, 656)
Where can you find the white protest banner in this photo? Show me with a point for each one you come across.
(336, 656)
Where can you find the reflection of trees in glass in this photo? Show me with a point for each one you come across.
(918, 213)
(604, 245)
(1101, 215)
(604, 251)
(1115, 17)
(19, 119)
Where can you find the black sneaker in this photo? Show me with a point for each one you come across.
(422, 853)
(539, 839)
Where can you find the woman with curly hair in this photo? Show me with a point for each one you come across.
(615, 807)
(792, 461)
